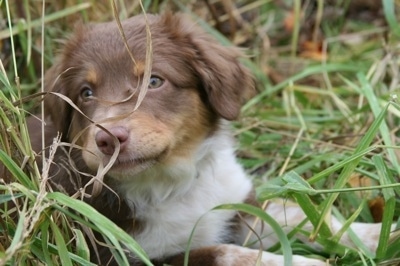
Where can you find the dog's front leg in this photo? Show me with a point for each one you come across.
(233, 255)
(289, 215)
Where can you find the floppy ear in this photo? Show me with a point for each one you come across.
(55, 107)
(58, 80)
(226, 81)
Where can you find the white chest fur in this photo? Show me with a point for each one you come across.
(169, 201)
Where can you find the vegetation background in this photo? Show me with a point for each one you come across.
(323, 128)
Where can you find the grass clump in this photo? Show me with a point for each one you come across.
(322, 130)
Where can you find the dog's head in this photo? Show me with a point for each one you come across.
(194, 83)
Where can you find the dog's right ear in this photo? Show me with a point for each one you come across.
(55, 107)
(57, 81)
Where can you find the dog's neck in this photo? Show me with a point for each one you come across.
(169, 201)
(210, 165)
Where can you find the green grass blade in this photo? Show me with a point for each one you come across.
(303, 74)
(18, 237)
(103, 224)
(81, 245)
(373, 101)
(44, 251)
(15, 170)
(354, 238)
(61, 245)
(389, 9)
(393, 250)
(260, 213)
(51, 17)
(7, 197)
(306, 204)
(385, 177)
(337, 166)
(351, 166)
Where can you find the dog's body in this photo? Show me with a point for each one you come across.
(175, 156)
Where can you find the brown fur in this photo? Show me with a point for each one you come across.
(203, 82)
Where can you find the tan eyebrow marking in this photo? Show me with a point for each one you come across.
(138, 68)
(91, 76)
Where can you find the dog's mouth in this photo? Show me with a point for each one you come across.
(131, 163)
(127, 163)
(129, 168)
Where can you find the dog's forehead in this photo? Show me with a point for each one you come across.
(99, 55)
(105, 44)
(101, 48)
(108, 35)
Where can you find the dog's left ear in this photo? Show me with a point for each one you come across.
(226, 81)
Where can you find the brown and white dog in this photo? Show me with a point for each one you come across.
(175, 157)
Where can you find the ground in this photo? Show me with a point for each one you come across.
(323, 126)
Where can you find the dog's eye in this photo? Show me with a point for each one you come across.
(155, 82)
(86, 92)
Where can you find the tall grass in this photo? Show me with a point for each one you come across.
(38, 226)
(314, 132)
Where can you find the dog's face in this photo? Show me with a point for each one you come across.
(194, 82)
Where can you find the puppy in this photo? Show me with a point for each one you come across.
(168, 158)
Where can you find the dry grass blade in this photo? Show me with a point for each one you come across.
(309, 121)
(149, 54)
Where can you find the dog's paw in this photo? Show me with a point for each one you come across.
(368, 233)
(273, 259)
(239, 256)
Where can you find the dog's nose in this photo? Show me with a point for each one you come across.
(105, 142)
